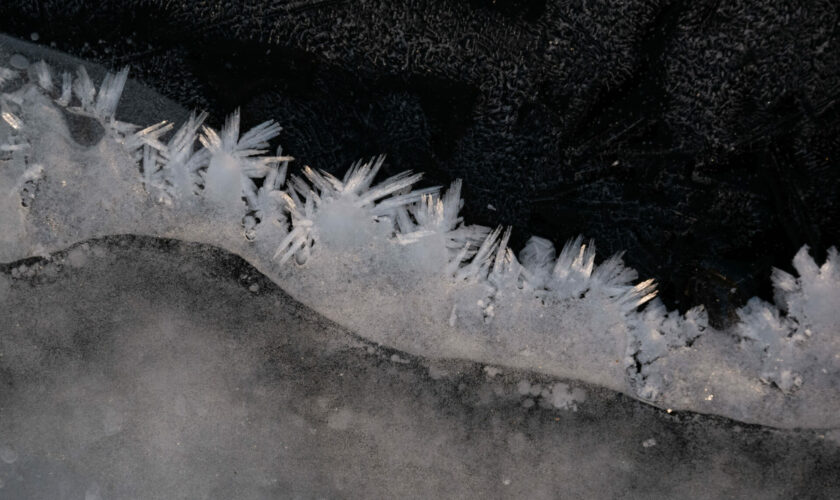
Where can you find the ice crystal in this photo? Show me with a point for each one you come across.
(43, 75)
(554, 304)
(573, 274)
(174, 169)
(478, 268)
(234, 159)
(343, 212)
(434, 236)
(808, 315)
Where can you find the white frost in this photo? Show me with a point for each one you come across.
(449, 289)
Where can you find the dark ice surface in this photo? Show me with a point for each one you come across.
(142, 368)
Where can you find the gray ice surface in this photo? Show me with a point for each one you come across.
(141, 368)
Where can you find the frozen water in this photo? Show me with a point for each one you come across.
(121, 361)
(151, 371)
(398, 266)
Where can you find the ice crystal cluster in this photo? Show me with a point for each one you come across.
(399, 265)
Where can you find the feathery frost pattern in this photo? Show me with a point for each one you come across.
(339, 209)
(196, 169)
(809, 318)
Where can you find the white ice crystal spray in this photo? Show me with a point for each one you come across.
(234, 160)
(399, 265)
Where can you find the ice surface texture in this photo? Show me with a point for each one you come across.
(397, 266)
(144, 368)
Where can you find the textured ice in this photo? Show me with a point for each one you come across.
(151, 371)
(397, 266)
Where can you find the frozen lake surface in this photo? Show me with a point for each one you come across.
(143, 368)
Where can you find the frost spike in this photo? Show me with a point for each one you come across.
(210, 140)
(230, 131)
(565, 260)
(389, 186)
(296, 238)
(277, 176)
(149, 135)
(365, 173)
(585, 261)
(477, 267)
(66, 89)
(452, 204)
(84, 89)
(638, 295)
(109, 93)
(317, 179)
(43, 75)
(502, 249)
(258, 137)
(454, 265)
(404, 199)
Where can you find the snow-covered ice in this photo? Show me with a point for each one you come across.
(396, 265)
(150, 369)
